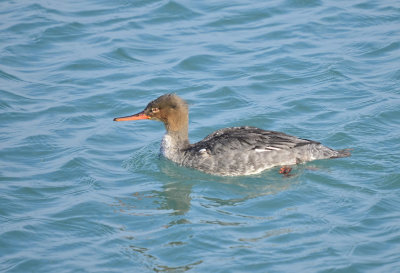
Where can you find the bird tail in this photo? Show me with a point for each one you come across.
(342, 153)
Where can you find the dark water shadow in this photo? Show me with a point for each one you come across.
(175, 183)
(221, 190)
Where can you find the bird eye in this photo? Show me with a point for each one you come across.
(155, 110)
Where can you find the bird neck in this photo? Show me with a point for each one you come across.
(178, 139)
(174, 144)
(176, 125)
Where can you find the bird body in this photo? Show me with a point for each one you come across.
(230, 151)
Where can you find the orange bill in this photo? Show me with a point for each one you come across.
(137, 116)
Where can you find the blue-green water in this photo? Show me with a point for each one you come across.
(81, 193)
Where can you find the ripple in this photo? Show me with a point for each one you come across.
(143, 160)
(73, 181)
(86, 65)
(197, 63)
(122, 55)
(171, 12)
(384, 51)
(8, 76)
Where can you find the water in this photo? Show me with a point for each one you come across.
(81, 193)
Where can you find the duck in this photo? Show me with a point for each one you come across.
(233, 151)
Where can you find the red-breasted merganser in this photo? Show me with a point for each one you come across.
(231, 151)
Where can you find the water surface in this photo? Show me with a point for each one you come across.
(81, 193)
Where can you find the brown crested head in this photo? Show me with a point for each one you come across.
(169, 108)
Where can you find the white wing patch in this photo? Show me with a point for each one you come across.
(267, 149)
(272, 148)
(204, 153)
